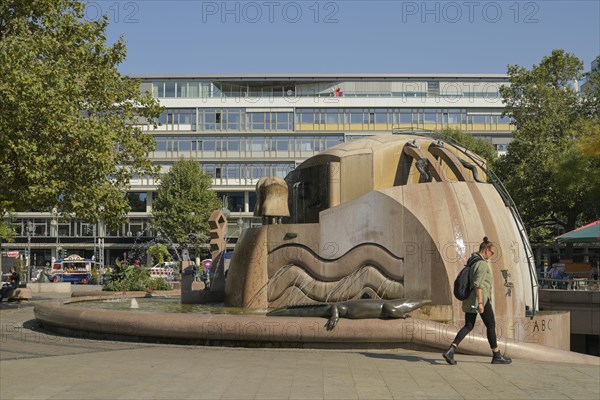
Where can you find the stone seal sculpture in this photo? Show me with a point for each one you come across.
(353, 309)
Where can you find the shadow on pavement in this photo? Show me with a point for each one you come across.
(405, 357)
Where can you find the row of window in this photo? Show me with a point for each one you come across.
(235, 171)
(385, 118)
(50, 227)
(197, 89)
(234, 201)
(242, 146)
(238, 119)
(134, 227)
(232, 119)
(193, 89)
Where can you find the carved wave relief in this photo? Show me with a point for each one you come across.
(292, 284)
(334, 269)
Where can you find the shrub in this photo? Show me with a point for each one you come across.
(133, 278)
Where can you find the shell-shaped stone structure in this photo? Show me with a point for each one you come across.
(394, 216)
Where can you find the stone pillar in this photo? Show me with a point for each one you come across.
(218, 229)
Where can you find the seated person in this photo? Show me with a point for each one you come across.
(555, 272)
(13, 283)
(593, 273)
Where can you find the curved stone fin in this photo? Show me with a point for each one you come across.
(461, 173)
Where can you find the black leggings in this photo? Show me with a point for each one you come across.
(488, 319)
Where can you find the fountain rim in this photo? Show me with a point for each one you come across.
(252, 330)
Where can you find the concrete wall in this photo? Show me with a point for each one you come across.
(584, 307)
(58, 287)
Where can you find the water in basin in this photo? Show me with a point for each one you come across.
(167, 305)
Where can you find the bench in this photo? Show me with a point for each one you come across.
(19, 294)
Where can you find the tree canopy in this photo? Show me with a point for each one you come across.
(551, 168)
(66, 114)
(183, 205)
(478, 146)
(159, 253)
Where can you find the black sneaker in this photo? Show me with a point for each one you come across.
(449, 356)
(500, 359)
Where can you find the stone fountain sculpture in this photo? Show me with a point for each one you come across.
(385, 217)
(216, 292)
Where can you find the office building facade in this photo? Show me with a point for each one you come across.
(241, 128)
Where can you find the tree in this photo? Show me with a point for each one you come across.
(478, 146)
(159, 253)
(184, 203)
(545, 169)
(66, 113)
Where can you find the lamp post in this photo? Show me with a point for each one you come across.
(55, 223)
(101, 233)
(2, 216)
(101, 251)
(30, 230)
(94, 234)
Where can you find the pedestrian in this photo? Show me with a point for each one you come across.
(479, 302)
(13, 283)
(593, 272)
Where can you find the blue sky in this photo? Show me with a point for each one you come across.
(269, 36)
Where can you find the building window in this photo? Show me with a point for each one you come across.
(181, 89)
(137, 201)
(158, 89)
(306, 116)
(258, 121)
(252, 200)
(135, 228)
(233, 200)
(170, 89)
(356, 117)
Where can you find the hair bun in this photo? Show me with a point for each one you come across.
(485, 239)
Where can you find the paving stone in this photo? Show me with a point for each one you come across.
(125, 370)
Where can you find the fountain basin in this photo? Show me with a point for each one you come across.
(260, 330)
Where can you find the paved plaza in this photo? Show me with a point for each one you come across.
(36, 364)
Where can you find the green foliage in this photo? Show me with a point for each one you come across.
(21, 269)
(159, 253)
(184, 203)
(546, 169)
(66, 113)
(95, 275)
(478, 146)
(7, 234)
(588, 137)
(133, 278)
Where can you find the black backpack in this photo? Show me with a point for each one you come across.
(462, 283)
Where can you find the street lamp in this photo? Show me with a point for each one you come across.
(55, 223)
(101, 233)
(30, 230)
(4, 213)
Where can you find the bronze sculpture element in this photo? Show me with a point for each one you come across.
(353, 309)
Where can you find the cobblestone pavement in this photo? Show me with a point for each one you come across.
(37, 364)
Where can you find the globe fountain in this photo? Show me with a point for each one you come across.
(384, 218)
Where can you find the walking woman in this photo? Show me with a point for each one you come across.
(479, 301)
